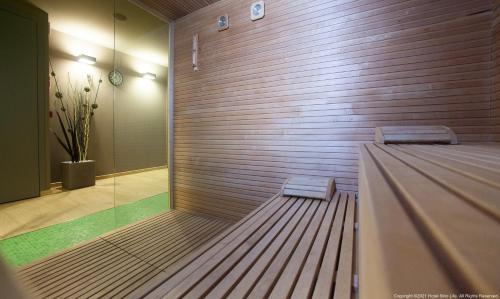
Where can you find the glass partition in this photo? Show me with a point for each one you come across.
(140, 110)
(107, 137)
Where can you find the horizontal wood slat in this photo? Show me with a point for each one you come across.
(174, 9)
(437, 204)
(297, 92)
(495, 97)
(288, 247)
(116, 264)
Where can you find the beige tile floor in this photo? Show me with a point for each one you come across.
(60, 206)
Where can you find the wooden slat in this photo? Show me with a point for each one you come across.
(307, 279)
(292, 270)
(345, 273)
(174, 9)
(431, 206)
(287, 248)
(495, 105)
(266, 231)
(476, 193)
(326, 275)
(268, 279)
(120, 262)
(174, 275)
(254, 262)
(297, 92)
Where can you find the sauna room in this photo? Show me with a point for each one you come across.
(337, 149)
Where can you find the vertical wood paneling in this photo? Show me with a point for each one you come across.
(298, 91)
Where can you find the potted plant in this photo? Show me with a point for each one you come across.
(75, 111)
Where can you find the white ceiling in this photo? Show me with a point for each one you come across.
(142, 36)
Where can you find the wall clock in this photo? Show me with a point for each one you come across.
(115, 77)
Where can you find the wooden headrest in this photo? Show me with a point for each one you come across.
(415, 134)
(309, 187)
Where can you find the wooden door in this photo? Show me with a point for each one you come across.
(22, 101)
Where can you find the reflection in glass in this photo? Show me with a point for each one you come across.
(140, 110)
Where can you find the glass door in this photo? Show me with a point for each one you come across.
(140, 113)
(107, 114)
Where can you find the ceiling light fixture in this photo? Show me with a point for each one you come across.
(149, 76)
(86, 59)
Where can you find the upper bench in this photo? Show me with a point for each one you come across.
(429, 216)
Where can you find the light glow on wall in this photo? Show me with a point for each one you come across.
(149, 76)
(86, 59)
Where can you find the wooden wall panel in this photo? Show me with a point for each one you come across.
(174, 9)
(298, 91)
(495, 109)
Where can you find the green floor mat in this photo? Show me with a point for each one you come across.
(22, 249)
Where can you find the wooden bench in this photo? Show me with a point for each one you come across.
(289, 247)
(429, 219)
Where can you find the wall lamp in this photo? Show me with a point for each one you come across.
(149, 76)
(86, 59)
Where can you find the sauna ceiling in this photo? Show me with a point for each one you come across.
(174, 9)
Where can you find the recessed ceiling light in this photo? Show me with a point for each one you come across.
(149, 76)
(86, 59)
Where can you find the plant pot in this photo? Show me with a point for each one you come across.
(78, 175)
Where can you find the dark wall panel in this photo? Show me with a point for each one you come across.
(298, 91)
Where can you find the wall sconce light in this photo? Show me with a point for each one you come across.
(86, 59)
(149, 76)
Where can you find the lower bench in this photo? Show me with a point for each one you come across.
(288, 247)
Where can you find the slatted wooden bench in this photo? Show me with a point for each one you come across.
(429, 219)
(289, 247)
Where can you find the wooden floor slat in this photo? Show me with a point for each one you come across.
(120, 262)
(183, 269)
